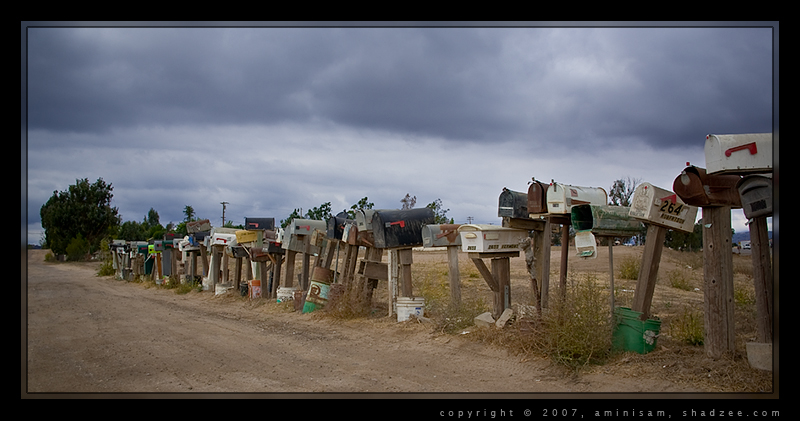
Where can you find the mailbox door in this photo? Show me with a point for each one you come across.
(400, 228)
(364, 219)
(513, 204)
(537, 198)
(259, 223)
(336, 226)
(441, 235)
(739, 153)
(756, 196)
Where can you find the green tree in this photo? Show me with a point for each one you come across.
(408, 201)
(320, 213)
(439, 214)
(83, 209)
(622, 191)
(189, 212)
(362, 204)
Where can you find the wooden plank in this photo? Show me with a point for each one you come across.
(288, 280)
(374, 270)
(404, 255)
(718, 278)
(487, 275)
(501, 272)
(762, 278)
(648, 271)
(453, 275)
(493, 255)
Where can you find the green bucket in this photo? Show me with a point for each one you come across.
(633, 334)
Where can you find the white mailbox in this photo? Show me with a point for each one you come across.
(562, 197)
(661, 207)
(480, 238)
(222, 237)
(739, 153)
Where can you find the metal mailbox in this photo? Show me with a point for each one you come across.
(756, 196)
(443, 235)
(364, 219)
(296, 232)
(198, 226)
(335, 226)
(661, 207)
(223, 237)
(186, 244)
(158, 245)
(605, 220)
(236, 252)
(259, 223)
(480, 238)
(199, 238)
(562, 197)
(513, 204)
(537, 198)
(739, 153)
(698, 188)
(140, 247)
(400, 228)
(247, 236)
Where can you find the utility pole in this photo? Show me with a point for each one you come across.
(223, 212)
(469, 219)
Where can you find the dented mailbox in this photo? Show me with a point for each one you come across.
(198, 226)
(698, 188)
(739, 153)
(400, 228)
(562, 197)
(756, 196)
(443, 235)
(654, 205)
(335, 226)
(481, 238)
(298, 233)
(537, 198)
(513, 204)
(589, 221)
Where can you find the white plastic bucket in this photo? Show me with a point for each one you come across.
(407, 306)
(286, 294)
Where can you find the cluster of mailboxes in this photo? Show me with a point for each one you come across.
(394, 228)
(554, 198)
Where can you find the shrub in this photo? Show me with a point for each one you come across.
(629, 268)
(688, 327)
(680, 279)
(78, 249)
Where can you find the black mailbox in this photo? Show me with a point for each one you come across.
(200, 236)
(400, 228)
(756, 196)
(336, 225)
(513, 204)
(259, 223)
(537, 198)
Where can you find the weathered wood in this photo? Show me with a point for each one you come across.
(374, 270)
(611, 274)
(288, 280)
(487, 275)
(404, 255)
(237, 279)
(453, 275)
(204, 260)
(762, 278)
(718, 278)
(225, 272)
(648, 271)
(542, 246)
(501, 272)
(564, 260)
(394, 274)
(276, 277)
(264, 277)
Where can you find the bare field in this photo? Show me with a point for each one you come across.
(90, 334)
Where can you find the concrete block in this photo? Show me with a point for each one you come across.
(759, 355)
(504, 318)
(484, 320)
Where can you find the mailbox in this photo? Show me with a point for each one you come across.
(537, 198)
(247, 236)
(400, 228)
(739, 153)
(158, 245)
(698, 188)
(259, 223)
(236, 252)
(199, 237)
(513, 204)
(364, 219)
(187, 244)
(756, 196)
(335, 226)
(297, 231)
(605, 220)
(140, 247)
(480, 238)
(654, 205)
(223, 237)
(441, 235)
(562, 197)
(198, 226)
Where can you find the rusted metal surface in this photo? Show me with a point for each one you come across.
(442, 235)
(537, 198)
(698, 188)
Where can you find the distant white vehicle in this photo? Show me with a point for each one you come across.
(745, 245)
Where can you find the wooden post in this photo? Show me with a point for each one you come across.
(611, 273)
(225, 272)
(174, 269)
(542, 246)
(213, 275)
(648, 271)
(762, 277)
(718, 275)
(204, 260)
(501, 271)
(276, 276)
(393, 281)
(288, 280)
(237, 279)
(564, 260)
(455, 281)
(406, 259)
(306, 262)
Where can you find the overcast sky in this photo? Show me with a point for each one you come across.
(270, 119)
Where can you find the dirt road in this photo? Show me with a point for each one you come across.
(88, 334)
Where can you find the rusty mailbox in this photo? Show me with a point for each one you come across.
(562, 197)
(198, 226)
(698, 188)
(756, 196)
(513, 204)
(537, 198)
(443, 235)
(739, 153)
(394, 229)
(657, 206)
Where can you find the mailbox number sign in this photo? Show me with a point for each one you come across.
(671, 210)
